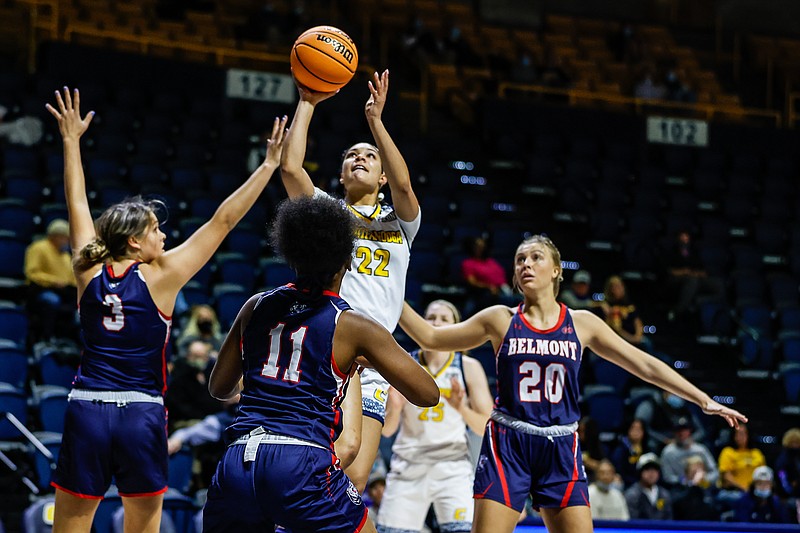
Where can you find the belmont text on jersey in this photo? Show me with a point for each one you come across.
(542, 367)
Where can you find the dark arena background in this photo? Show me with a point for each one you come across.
(613, 127)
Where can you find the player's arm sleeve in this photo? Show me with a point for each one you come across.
(411, 228)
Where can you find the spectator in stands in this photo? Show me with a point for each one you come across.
(375, 487)
(485, 278)
(591, 447)
(608, 502)
(203, 325)
(759, 504)
(628, 450)
(689, 278)
(619, 313)
(683, 446)
(788, 464)
(51, 282)
(693, 498)
(187, 399)
(579, 293)
(677, 89)
(661, 413)
(649, 87)
(646, 499)
(738, 461)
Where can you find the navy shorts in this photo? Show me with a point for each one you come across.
(102, 440)
(513, 464)
(295, 486)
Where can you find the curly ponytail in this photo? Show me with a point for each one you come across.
(91, 254)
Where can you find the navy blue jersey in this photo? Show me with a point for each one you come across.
(125, 336)
(292, 385)
(537, 371)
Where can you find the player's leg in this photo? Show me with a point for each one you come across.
(359, 469)
(143, 513)
(349, 441)
(451, 486)
(493, 517)
(406, 499)
(373, 406)
(576, 519)
(73, 514)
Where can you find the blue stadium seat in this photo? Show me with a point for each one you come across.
(715, 319)
(748, 288)
(181, 510)
(26, 190)
(246, 242)
(425, 266)
(221, 184)
(14, 401)
(276, 273)
(103, 517)
(430, 237)
(13, 323)
(790, 375)
(203, 207)
(13, 367)
(113, 194)
(55, 371)
(19, 159)
(790, 349)
(187, 179)
(180, 470)
(44, 466)
(236, 269)
(16, 218)
(783, 289)
(435, 209)
(789, 320)
(52, 409)
(755, 339)
(111, 146)
(228, 300)
(142, 174)
(606, 406)
(608, 373)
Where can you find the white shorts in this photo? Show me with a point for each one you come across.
(374, 392)
(412, 488)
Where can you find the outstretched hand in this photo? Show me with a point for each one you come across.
(378, 91)
(68, 114)
(275, 142)
(731, 416)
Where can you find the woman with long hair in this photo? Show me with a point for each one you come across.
(115, 425)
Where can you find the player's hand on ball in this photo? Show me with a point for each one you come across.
(312, 97)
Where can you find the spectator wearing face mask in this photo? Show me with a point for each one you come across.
(51, 283)
(759, 504)
(608, 502)
(660, 414)
(675, 455)
(187, 398)
(202, 325)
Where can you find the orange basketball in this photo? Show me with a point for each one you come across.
(324, 58)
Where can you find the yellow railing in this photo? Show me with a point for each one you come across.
(639, 105)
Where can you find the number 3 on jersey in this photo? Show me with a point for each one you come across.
(366, 256)
(271, 369)
(116, 321)
(554, 374)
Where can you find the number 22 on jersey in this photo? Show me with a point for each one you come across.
(271, 368)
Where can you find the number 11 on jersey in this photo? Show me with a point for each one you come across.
(271, 368)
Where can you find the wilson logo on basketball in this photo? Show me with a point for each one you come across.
(338, 47)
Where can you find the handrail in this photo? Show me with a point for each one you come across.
(573, 95)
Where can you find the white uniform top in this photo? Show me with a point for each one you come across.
(376, 282)
(433, 434)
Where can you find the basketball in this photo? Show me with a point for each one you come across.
(324, 59)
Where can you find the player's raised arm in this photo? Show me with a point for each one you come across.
(403, 198)
(71, 126)
(295, 178)
(604, 342)
(358, 334)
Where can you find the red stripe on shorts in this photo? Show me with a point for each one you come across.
(568, 493)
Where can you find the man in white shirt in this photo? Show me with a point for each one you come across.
(605, 495)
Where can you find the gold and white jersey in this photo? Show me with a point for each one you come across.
(432, 434)
(376, 282)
